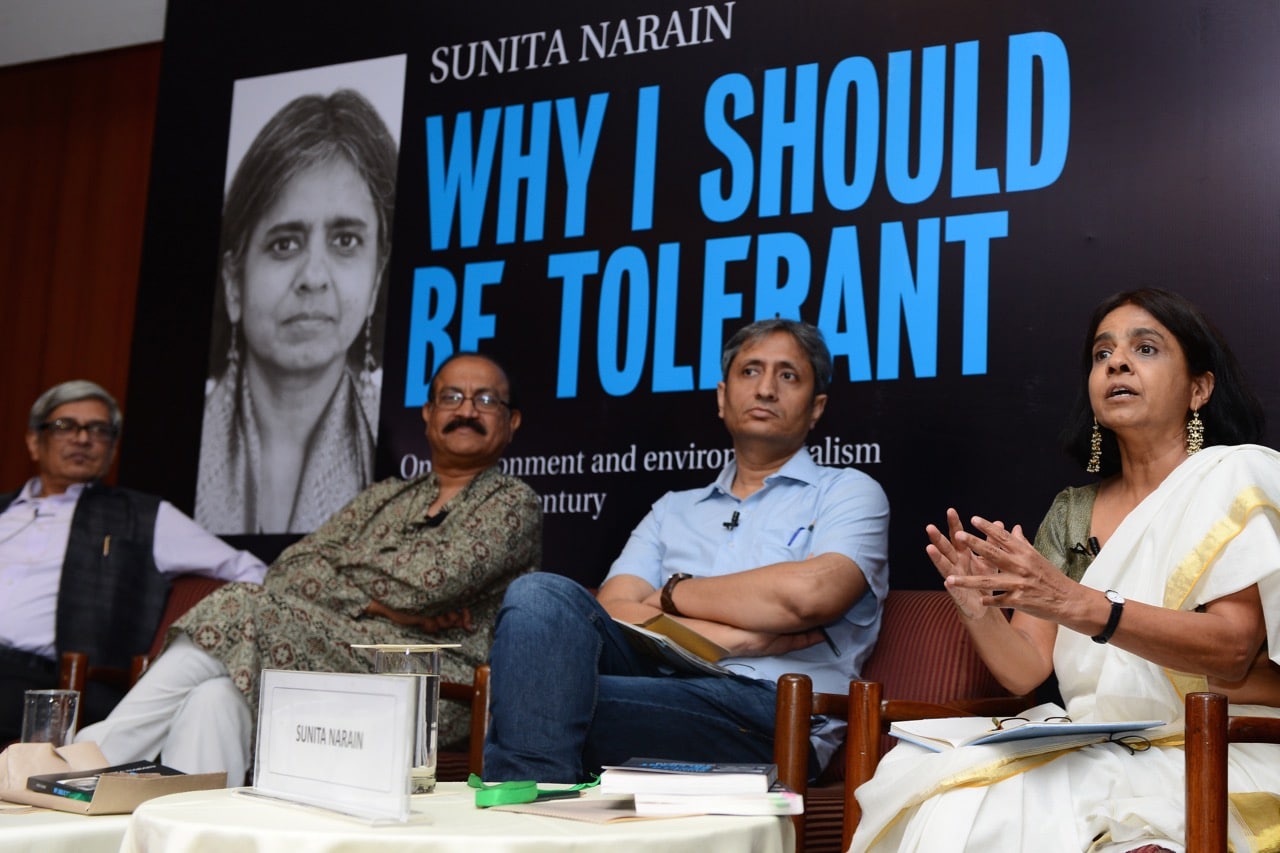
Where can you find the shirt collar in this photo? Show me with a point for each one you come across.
(800, 467)
(31, 491)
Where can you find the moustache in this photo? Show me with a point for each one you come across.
(471, 423)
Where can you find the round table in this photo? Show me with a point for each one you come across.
(48, 831)
(446, 820)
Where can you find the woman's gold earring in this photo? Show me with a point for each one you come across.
(1195, 434)
(1095, 450)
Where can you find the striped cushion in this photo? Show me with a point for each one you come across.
(922, 625)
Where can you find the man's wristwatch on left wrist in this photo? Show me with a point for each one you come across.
(669, 606)
(1117, 608)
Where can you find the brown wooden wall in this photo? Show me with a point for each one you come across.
(75, 154)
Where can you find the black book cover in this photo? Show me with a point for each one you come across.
(80, 784)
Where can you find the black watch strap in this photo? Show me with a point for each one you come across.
(1117, 609)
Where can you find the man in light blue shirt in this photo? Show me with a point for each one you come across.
(780, 561)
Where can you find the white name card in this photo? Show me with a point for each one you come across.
(339, 741)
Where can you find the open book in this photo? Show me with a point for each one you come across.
(1047, 720)
(675, 644)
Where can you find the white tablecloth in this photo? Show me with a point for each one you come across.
(45, 831)
(217, 821)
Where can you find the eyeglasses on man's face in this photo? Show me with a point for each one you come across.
(484, 401)
(70, 427)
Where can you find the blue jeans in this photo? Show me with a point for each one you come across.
(569, 695)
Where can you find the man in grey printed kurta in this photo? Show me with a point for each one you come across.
(404, 562)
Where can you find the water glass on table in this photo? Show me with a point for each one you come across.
(422, 663)
(49, 716)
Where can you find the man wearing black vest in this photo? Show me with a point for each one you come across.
(85, 566)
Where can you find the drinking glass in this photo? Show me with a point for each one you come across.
(423, 664)
(49, 716)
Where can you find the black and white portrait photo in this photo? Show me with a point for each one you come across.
(292, 399)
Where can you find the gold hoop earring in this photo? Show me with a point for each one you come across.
(1195, 434)
(1095, 450)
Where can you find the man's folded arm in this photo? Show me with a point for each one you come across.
(766, 611)
(786, 597)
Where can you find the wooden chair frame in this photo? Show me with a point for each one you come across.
(475, 694)
(1209, 730)
(869, 716)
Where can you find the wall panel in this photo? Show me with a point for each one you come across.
(75, 157)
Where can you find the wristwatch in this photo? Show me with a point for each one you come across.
(669, 606)
(1117, 608)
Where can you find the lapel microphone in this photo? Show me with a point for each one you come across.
(1093, 547)
(733, 522)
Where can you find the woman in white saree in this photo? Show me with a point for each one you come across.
(1182, 595)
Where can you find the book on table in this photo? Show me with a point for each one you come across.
(779, 800)
(1042, 721)
(81, 784)
(675, 644)
(664, 776)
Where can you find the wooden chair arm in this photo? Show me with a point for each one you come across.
(869, 718)
(1209, 730)
(74, 672)
(862, 748)
(71, 670)
(791, 740)
(476, 695)
(1206, 782)
(1253, 730)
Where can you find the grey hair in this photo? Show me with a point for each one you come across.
(70, 392)
(807, 335)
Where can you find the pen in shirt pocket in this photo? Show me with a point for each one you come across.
(835, 650)
(799, 530)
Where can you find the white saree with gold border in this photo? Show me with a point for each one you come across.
(1211, 529)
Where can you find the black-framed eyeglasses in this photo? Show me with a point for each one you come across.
(68, 427)
(1133, 743)
(484, 401)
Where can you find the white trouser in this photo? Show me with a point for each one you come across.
(185, 709)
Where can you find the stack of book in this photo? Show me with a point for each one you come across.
(662, 787)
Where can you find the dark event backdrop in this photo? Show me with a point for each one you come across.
(598, 195)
